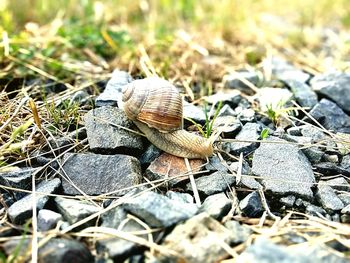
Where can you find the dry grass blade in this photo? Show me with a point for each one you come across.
(193, 183)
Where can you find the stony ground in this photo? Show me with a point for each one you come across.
(276, 190)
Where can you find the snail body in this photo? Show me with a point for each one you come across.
(155, 106)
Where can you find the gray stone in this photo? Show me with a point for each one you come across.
(215, 164)
(113, 217)
(21, 178)
(345, 163)
(119, 249)
(228, 125)
(232, 81)
(339, 183)
(158, 210)
(214, 183)
(48, 219)
(180, 197)
(346, 210)
(217, 206)
(303, 93)
(105, 137)
(312, 132)
(284, 168)
(264, 251)
(328, 168)
(313, 153)
(23, 209)
(283, 70)
(149, 155)
(199, 239)
(56, 250)
(96, 174)
(274, 98)
(245, 115)
(288, 201)
(75, 210)
(231, 98)
(240, 232)
(330, 116)
(246, 180)
(333, 158)
(112, 94)
(250, 132)
(251, 205)
(345, 198)
(193, 112)
(335, 86)
(226, 110)
(314, 210)
(327, 198)
(294, 131)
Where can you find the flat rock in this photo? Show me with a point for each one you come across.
(330, 116)
(303, 93)
(334, 86)
(105, 137)
(251, 205)
(96, 174)
(111, 95)
(284, 169)
(197, 240)
(56, 250)
(23, 209)
(75, 210)
(217, 206)
(171, 168)
(158, 210)
(48, 219)
(249, 132)
(212, 184)
(328, 198)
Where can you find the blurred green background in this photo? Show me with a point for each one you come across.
(241, 31)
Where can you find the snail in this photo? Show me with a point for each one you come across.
(155, 106)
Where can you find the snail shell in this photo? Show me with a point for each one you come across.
(154, 101)
(155, 106)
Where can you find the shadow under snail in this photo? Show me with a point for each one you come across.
(155, 106)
